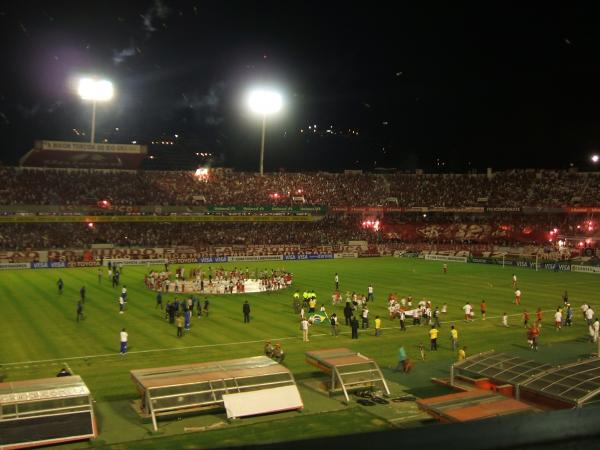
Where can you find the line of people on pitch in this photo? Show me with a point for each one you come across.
(306, 322)
(405, 364)
(309, 301)
(114, 274)
(180, 312)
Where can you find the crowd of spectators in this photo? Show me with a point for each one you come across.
(503, 189)
(509, 189)
(199, 234)
(87, 187)
(567, 223)
(333, 229)
(516, 188)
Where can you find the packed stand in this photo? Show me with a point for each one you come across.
(503, 189)
(515, 229)
(80, 235)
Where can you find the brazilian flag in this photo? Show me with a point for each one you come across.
(318, 318)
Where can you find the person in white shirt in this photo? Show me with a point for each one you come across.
(323, 311)
(428, 315)
(370, 293)
(518, 297)
(596, 330)
(584, 308)
(334, 324)
(365, 317)
(505, 320)
(402, 320)
(124, 338)
(416, 316)
(121, 304)
(304, 327)
(514, 281)
(467, 309)
(557, 319)
(337, 282)
(589, 315)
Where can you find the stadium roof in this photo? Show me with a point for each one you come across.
(502, 367)
(576, 383)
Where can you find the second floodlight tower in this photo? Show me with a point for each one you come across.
(264, 102)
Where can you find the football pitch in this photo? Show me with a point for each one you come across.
(39, 334)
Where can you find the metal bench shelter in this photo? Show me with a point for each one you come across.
(176, 389)
(349, 370)
(45, 411)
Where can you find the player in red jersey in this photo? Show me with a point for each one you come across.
(538, 317)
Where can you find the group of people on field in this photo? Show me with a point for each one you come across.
(216, 281)
(356, 313)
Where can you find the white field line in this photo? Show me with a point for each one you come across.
(224, 344)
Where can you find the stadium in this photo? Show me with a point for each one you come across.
(156, 294)
(340, 225)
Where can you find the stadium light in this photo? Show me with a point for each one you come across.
(264, 102)
(96, 91)
(595, 158)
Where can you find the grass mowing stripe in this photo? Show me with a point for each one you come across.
(258, 341)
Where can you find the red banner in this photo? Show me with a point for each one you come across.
(459, 232)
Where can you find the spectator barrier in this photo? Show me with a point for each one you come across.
(345, 255)
(8, 266)
(461, 259)
(585, 269)
(134, 262)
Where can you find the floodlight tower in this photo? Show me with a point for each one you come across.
(264, 102)
(95, 90)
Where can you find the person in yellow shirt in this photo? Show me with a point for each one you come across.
(377, 326)
(312, 304)
(454, 338)
(462, 354)
(433, 335)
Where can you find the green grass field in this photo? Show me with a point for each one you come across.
(39, 334)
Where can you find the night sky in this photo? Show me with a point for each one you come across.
(443, 87)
